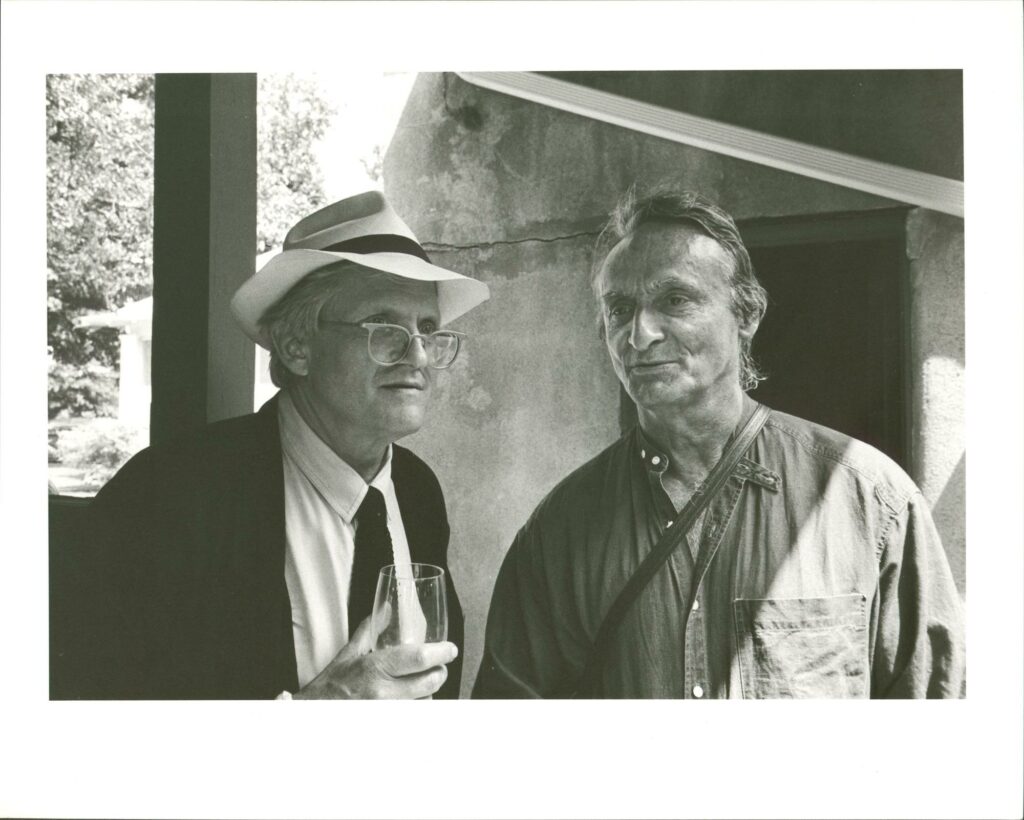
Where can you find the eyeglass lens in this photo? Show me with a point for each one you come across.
(390, 343)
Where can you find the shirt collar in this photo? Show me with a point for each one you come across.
(336, 481)
(650, 454)
(655, 459)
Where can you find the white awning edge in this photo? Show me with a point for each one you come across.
(882, 179)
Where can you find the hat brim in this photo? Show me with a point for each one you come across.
(456, 293)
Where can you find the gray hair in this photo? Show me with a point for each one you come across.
(296, 315)
(670, 204)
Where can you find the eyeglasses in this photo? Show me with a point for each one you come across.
(389, 344)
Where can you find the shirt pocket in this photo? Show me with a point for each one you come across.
(803, 647)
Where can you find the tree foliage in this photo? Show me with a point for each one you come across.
(293, 117)
(374, 165)
(99, 209)
(99, 185)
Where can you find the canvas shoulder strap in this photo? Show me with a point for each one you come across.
(670, 539)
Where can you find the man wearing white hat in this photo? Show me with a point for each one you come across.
(242, 562)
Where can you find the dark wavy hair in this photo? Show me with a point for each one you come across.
(671, 204)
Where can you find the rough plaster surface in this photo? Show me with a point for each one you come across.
(515, 195)
(532, 171)
(531, 398)
(935, 248)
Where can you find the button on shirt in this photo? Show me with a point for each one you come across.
(816, 572)
(322, 495)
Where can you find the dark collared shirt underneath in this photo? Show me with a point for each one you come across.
(816, 572)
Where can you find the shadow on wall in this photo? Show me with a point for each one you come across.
(949, 514)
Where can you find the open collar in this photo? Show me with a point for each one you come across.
(656, 461)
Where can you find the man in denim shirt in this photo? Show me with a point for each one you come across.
(815, 571)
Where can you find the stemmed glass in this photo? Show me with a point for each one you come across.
(411, 605)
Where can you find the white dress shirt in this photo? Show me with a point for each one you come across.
(321, 496)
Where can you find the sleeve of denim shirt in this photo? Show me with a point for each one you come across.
(534, 646)
(517, 646)
(919, 635)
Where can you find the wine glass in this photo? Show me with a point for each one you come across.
(411, 605)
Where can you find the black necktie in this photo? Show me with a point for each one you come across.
(373, 551)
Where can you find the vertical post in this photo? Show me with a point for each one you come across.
(204, 246)
(230, 354)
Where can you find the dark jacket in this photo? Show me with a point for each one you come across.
(188, 574)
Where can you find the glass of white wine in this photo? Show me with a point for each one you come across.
(411, 605)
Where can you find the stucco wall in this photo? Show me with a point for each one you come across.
(935, 248)
(513, 193)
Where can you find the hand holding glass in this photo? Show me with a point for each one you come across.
(411, 606)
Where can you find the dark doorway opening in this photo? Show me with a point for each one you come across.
(834, 341)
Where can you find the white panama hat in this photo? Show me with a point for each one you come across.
(364, 229)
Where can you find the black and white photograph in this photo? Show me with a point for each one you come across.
(618, 378)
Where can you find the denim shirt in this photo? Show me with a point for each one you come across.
(816, 572)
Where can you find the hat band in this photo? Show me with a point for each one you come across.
(380, 243)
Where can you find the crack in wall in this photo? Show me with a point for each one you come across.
(442, 246)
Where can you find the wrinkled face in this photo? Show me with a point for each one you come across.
(380, 402)
(667, 315)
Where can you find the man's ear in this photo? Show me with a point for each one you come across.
(293, 353)
(748, 329)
